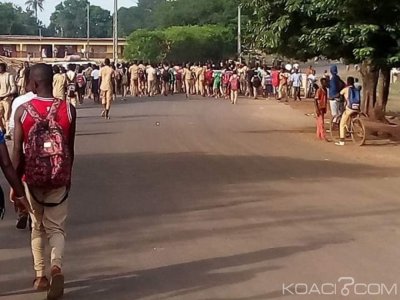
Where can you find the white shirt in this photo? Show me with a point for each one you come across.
(96, 74)
(151, 74)
(296, 79)
(17, 103)
(312, 77)
(71, 74)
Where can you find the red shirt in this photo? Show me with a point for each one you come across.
(275, 78)
(322, 98)
(234, 83)
(42, 106)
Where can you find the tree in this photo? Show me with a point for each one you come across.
(13, 20)
(195, 12)
(360, 31)
(35, 5)
(153, 14)
(100, 22)
(131, 19)
(69, 20)
(146, 45)
(181, 44)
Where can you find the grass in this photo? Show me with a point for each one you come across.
(394, 98)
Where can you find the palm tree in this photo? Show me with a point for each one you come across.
(35, 5)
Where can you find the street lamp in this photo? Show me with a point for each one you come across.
(239, 36)
(88, 31)
(115, 35)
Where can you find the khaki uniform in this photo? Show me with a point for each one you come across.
(7, 86)
(106, 87)
(59, 83)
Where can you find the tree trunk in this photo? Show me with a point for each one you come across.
(370, 74)
(383, 93)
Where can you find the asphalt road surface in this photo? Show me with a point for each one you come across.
(204, 200)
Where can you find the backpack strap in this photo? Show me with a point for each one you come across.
(31, 110)
(54, 109)
(71, 81)
(63, 199)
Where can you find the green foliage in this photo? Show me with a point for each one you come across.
(131, 19)
(13, 20)
(69, 20)
(100, 22)
(355, 30)
(153, 14)
(146, 45)
(195, 12)
(181, 44)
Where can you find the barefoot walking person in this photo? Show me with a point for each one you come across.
(43, 154)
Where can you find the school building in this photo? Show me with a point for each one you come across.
(56, 47)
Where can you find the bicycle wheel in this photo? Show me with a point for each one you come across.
(358, 133)
(334, 129)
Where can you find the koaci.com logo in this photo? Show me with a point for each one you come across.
(345, 286)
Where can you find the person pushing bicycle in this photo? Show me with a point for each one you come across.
(352, 96)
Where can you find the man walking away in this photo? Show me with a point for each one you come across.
(124, 82)
(95, 84)
(59, 83)
(352, 96)
(7, 90)
(165, 79)
(297, 82)
(81, 84)
(134, 73)
(88, 77)
(151, 79)
(106, 87)
(335, 86)
(71, 85)
(43, 154)
(234, 87)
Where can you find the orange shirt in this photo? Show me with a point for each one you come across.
(322, 97)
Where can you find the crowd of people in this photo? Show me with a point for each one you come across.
(41, 121)
(225, 80)
(104, 82)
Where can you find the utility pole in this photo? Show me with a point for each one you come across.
(88, 31)
(239, 36)
(115, 35)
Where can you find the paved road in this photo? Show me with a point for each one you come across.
(218, 202)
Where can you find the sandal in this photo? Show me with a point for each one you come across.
(41, 284)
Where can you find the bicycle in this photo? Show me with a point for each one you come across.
(311, 88)
(355, 128)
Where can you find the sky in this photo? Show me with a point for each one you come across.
(49, 6)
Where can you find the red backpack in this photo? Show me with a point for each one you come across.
(47, 156)
(80, 80)
(209, 76)
(227, 77)
(234, 83)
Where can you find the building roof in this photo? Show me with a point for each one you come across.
(49, 39)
